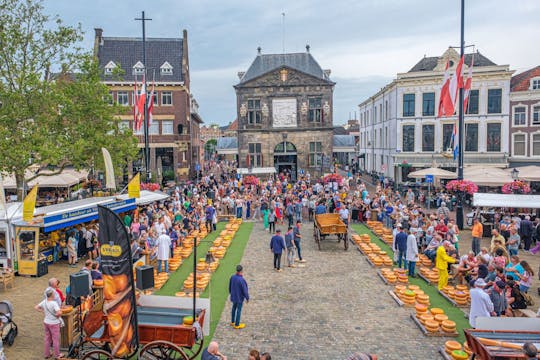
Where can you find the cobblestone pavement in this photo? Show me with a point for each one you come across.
(333, 306)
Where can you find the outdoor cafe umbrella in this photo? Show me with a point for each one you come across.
(436, 172)
(489, 176)
(527, 173)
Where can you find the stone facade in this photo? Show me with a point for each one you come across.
(274, 115)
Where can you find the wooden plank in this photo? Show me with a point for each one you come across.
(439, 333)
(452, 301)
(382, 277)
(396, 298)
(444, 355)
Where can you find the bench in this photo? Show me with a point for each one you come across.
(524, 313)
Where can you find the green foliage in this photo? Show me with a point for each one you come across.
(168, 175)
(46, 119)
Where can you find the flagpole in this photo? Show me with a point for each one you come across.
(145, 123)
(461, 125)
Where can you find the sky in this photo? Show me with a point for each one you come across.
(365, 43)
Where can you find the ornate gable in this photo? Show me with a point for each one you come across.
(285, 76)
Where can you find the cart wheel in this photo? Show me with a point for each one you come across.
(318, 238)
(162, 350)
(194, 350)
(346, 241)
(97, 354)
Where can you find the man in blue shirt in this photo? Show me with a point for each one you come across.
(401, 246)
(320, 209)
(277, 245)
(238, 290)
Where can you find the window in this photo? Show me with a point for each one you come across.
(386, 110)
(138, 68)
(254, 115)
(122, 98)
(494, 101)
(428, 137)
(494, 137)
(156, 102)
(255, 155)
(536, 115)
(166, 69)
(315, 154)
(519, 145)
(408, 138)
(154, 128)
(471, 137)
(535, 84)
(380, 113)
(536, 145)
(408, 104)
(375, 115)
(110, 99)
(428, 104)
(166, 98)
(167, 127)
(519, 115)
(386, 137)
(472, 105)
(448, 130)
(315, 110)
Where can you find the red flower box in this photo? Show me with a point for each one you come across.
(465, 186)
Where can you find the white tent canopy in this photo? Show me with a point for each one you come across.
(528, 173)
(256, 171)
(436, 172)
(147, 197)
(487, 176)
(506, 200)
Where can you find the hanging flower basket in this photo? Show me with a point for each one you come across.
(250, 180)
(516, 187)
(150, 186)
(92, 183)
(465, 186)
(333, 178)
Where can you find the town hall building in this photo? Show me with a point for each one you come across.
(284, 109)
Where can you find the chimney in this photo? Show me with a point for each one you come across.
(259, 50)
(241, 74)
(327, 73)
(307, 48)
(98, 40)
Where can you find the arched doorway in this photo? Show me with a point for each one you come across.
(285, 158)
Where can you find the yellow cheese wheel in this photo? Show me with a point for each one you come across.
(435, 311)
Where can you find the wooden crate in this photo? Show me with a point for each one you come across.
(71, 329)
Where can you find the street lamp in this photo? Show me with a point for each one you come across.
(515, 174)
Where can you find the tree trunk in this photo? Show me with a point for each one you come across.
(19, 181)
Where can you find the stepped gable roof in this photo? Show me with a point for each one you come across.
(127, 52)
(429, 63)
(265, 63)
(521, 81)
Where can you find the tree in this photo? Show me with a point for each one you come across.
(210, 148)
(48, 119)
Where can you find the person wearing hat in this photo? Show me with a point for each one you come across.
(481, 304)
(238, 291)
(277, 245)
(441, 262)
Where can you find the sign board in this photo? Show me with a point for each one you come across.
(284, 112)
(429, 178)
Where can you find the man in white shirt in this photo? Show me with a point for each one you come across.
(481, 304)
(163, 251)
(344, 214)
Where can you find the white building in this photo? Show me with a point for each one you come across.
(400, 131)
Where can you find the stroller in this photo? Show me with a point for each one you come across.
(9, 329)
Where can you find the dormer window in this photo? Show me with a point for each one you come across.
(138, 68)
(166, 68)
(109, 68)
(535, 83)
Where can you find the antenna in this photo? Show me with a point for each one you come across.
(283, 32)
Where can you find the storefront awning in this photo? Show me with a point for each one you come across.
(256, 171)
(506, 200)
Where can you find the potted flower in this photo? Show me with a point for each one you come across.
(516, 187)
(250, 180)
(465, 186)
(150, 186)
(333, 178)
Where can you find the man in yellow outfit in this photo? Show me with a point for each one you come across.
(441, 262)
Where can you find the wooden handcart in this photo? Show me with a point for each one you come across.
(162, 335)
(330, 224)
(499, 344)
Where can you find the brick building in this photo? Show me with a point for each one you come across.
(174, 138)
(525, 118)
(284, 109)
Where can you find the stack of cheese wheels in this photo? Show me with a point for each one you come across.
(387, 261)
(408, 297)
(426, 317)
(422, 299)
(391, 277)
(440, 318)
(160, 279)
(450, 346)
(402, 278)
(431, 325)
(467, 349)
(459, 355)
(399, 289)
(421, 309)
(447, 288)
(436, 311)
(448, 326)
(377, 261)
(460, 297)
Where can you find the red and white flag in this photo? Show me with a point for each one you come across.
(140, 104)
(450, 96)
(467, 86)
(444, 89)
(135, 109)
(151, 105)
